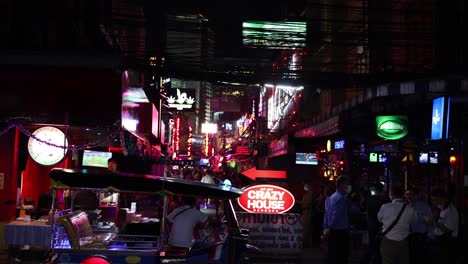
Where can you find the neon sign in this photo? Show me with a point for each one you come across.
(182, 101)
(392, 127)
(266, 198)
(177, 127)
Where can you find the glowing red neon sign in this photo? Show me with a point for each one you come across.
(266, 199)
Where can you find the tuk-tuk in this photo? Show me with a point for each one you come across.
(80, 235)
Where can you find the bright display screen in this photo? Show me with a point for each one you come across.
(204, 162)
(93, 158)
(433, 157)
(274, 34)
(437, 118)
(423, 157)
(377, 157)
(306, 158)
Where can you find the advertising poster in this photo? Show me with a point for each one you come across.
(273, 233)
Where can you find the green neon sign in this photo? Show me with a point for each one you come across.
(392, 127)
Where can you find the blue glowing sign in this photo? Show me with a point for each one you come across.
(437, 128)
(447, 119)
(339, 144)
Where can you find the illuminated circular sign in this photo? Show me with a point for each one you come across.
(392, 127)
(266, 199)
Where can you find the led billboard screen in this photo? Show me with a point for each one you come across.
(274, 34)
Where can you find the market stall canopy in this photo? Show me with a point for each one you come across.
(84, 179)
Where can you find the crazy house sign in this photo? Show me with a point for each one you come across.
(181, 99)
(267, 199)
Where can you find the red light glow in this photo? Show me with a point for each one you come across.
(177, 135)
(189, 143)
(453, 159)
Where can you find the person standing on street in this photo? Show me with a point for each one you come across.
(394, 246)
(336, 222)
(419, 226)
(445, 221)
(374, 203)
(307, 206)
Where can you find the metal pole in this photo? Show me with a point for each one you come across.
(162, 235)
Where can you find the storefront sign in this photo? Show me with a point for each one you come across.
(280, 105)
(209, 128)
(265, 198)
(437, 118)
(440, 118)
(182, 100)
(340, 144)
(392, 127)
(273, 233)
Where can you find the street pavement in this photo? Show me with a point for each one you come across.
(307, 256)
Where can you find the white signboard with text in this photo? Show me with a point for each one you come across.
(273, 233)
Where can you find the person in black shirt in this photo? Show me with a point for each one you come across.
(44, 203)
(375, 201)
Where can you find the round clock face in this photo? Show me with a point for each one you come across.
(46, 153)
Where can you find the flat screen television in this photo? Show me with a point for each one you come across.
(433, 157)
(204, 162)
(377, 157)
(373, 157)
(306, 158)
(423, 157)
(94, 158)
(383, 157)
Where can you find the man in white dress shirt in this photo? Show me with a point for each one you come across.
(394, 246)
(445, 232)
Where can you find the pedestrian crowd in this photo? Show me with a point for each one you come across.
(403, 226)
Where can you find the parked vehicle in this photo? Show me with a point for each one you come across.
(78, 235)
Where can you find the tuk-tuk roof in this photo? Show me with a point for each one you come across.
(141, 183)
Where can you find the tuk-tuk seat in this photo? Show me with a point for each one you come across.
(80, 232)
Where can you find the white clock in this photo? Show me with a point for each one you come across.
(46, 153)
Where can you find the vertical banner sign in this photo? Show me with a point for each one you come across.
(437, 127)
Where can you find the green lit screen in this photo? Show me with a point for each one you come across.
(281, 34)
(392, 127)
